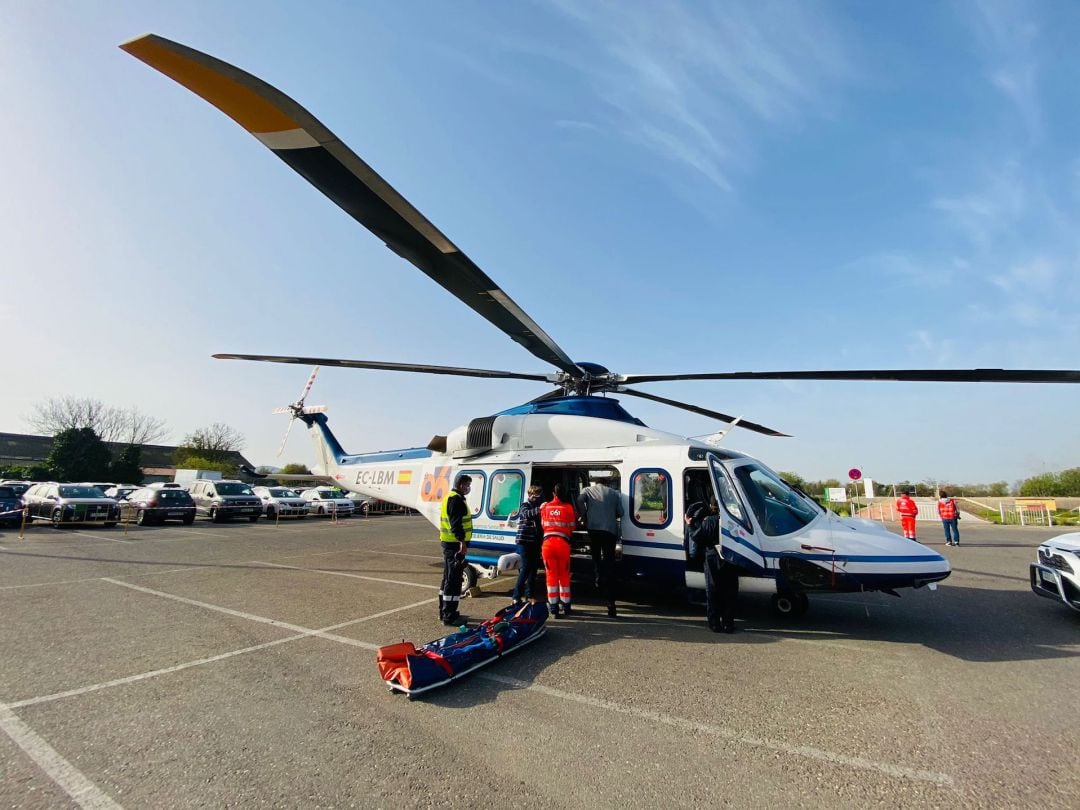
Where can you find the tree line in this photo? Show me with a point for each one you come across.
(83, 427)
(1062, 484)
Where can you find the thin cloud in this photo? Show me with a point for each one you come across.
(693, 84)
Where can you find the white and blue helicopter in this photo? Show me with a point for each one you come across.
(575, 433)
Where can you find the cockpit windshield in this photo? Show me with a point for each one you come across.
(779, 509)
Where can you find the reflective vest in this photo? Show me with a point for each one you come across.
(906, 507)
(557, 518)
(946, 508)
(445, 535)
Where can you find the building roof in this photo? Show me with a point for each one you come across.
(23, 449)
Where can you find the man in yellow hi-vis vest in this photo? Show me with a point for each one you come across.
(455, 531)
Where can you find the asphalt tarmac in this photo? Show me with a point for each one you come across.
(233, 665)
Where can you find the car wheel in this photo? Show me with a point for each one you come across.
(271, 513)
(140, 518)
(320, 511)
(214, 515)
(57, 518)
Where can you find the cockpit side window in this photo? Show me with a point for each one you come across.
(778, 508)
(729, 498)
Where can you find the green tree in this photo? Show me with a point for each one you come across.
(127, 467)
(192, 462)
(794, 478)
(1044, 484)
(1069, 481)
(212, 443)
(78, 454)
(296, 469)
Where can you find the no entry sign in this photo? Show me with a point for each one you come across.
(854, 473)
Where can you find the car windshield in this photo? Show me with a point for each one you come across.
(283, 492)
(329, 493)
(19, 488)
(233, 489)
(778, 508)
(7, 492)
(80, 492)
(177, 495)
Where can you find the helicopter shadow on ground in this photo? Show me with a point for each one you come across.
(973, 625)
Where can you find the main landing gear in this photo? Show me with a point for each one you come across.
(790, 605)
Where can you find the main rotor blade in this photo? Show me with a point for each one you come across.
(723, 417)
(314, 152)
(381, 366)
(998, 375)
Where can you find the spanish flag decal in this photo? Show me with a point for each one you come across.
(404, 476)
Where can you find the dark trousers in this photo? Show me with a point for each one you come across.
(602, 546)
(721, 589)
(450, 588)
(530, 564)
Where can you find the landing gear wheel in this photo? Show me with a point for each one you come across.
(468, 579)
(790, 605)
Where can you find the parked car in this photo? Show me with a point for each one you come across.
(11, 505)
(70, 503)
(1056, 575)
(328, 501)
(282, 501)
(19, 486)
(120, 491)
(224, 499)
(158, 505)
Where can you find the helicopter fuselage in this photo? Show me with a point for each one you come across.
(769, 529)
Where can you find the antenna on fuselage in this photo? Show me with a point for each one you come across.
(714, 439)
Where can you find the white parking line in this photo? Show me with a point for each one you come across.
(96, 579)
(70, 779)
(203, 661)
(98, 536)
(807, 752)
(346, 574)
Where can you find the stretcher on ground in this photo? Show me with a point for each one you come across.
(414, 670)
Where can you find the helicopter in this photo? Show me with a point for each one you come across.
(577, 432)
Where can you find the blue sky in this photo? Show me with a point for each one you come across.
(663, 187)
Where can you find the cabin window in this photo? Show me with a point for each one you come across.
(507, 487)
(650, 498)
(475, 498)
(778, 508)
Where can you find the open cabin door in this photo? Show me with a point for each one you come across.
(737, 540)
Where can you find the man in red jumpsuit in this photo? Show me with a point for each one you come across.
(908, 509)
(557, 520)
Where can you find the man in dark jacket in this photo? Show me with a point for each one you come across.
(721, 576)
(528, 544)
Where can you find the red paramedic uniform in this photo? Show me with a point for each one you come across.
(908, 509)
(557, 519)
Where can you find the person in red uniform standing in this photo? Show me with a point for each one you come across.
(949, 513)
(557, 520)
(908, 509)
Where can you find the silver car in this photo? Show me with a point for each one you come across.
(282, 501)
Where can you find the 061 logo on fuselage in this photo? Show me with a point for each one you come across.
(436, 485)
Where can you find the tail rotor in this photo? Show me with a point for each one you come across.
(298, 408)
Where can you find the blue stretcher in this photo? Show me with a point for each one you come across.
(414, 670)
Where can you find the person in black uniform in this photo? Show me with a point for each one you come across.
(721, 576)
